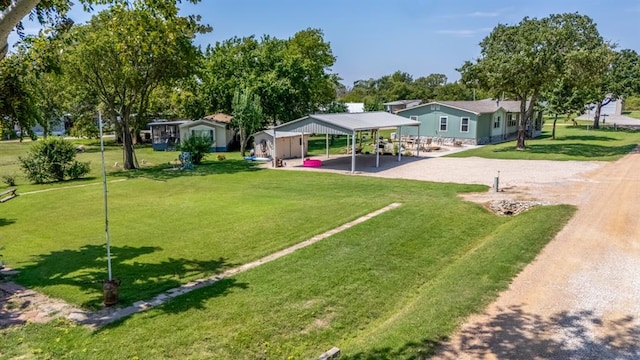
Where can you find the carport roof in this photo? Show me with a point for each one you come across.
(346, 123)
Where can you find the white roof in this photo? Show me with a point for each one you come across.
(346, 123)
(280, 134)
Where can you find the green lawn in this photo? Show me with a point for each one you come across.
(391, 287)
(571, 143)
(633, 114)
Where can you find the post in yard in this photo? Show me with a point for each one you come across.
(110, 286)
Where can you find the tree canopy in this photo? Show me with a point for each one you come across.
(401, 85)
(125, 53)
(54, 13)
(292, 77)
(614, 75)
(524, 60)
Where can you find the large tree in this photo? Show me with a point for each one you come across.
(292, 77)
(247, 114)
(397, 86)
(123, 54)
(614, 75)
(18, 103)
(49, 12)
(525, 59)
(563, 98)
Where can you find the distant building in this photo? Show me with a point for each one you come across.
(614, 107)
(395, 106)
(57, 127)
(355, 107)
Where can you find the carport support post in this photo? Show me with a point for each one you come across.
(326, 140)
(418, 143)
(353, 152)
(275, 153)
(377, 151)
(399, 143)
(302, 145)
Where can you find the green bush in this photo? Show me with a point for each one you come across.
(9, 180)
(632, 103)
(51, 160)
(198, 146)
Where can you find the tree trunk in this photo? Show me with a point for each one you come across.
(553, 131)
(243, 143)
(129, 156)
(596, 116)
(10, 17)
(523, 116)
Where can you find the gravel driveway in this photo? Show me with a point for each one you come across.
(580, 298)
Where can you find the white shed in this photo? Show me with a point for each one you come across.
(289, 144)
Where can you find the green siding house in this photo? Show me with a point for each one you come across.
(469, 122)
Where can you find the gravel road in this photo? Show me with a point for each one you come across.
(580, 298)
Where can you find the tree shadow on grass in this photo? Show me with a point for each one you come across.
(585, 138)
(85, 269)
(170, 171)
(5, 222)
(578, 150)
(516, 334)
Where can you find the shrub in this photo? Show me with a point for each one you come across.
(198, 146)
(52, 159)
(9, 180)
(222, 157)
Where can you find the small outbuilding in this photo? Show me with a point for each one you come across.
(289, 144)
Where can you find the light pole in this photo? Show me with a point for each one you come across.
(106, 208)
(110, 286)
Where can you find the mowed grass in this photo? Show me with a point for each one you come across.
(392, 287)
(580, 143)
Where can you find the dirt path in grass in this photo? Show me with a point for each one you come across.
(580, 298)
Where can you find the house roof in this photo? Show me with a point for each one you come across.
(219, 117)
(485, 106)
(201, 122)
(163, 122)
(279, 134)
(346, 123)
(401, 102)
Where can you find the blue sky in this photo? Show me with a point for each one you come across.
(371, 38)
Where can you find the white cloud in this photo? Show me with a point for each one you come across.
(477, 14)
(463, 32)
(483, 14)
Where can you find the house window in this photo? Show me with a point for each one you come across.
(496, 122)
(435, 107)
(512, 119)
(444, 122)
(464, 124)
(204, 133)
(413, 117)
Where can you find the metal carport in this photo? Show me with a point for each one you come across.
(348, 124)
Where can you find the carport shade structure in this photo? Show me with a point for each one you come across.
(348, 124)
